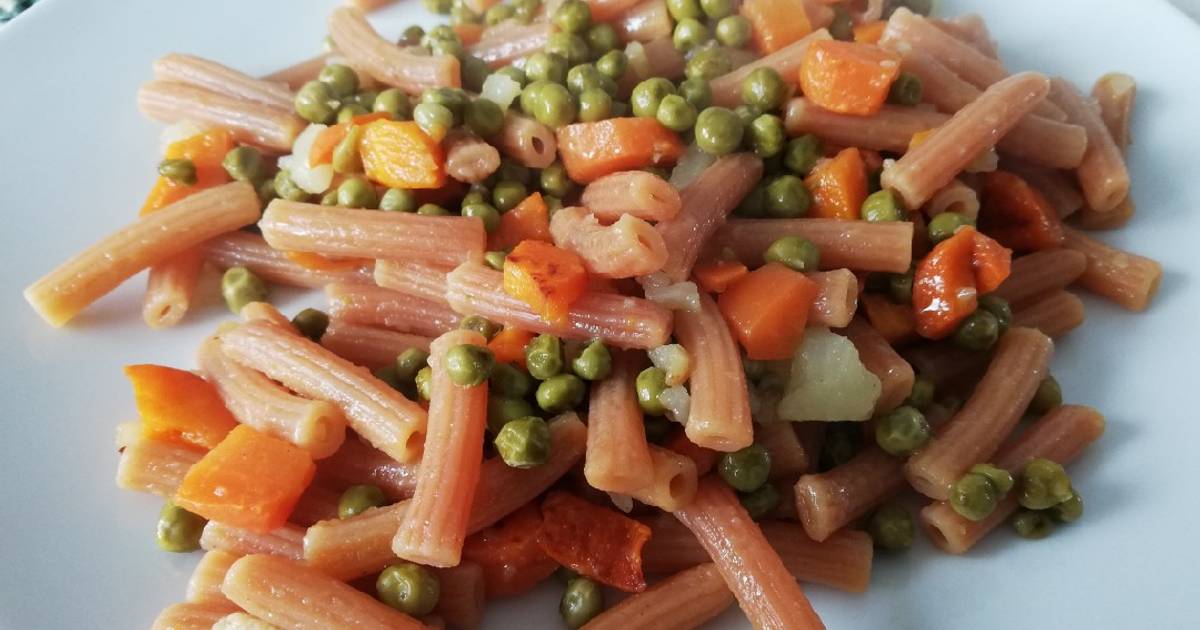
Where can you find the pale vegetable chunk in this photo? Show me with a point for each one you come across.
(828, 382)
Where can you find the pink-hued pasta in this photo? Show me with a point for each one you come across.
(353, 547)
(636, 193)
(1058, 187)
(469, 158)
(316, 503)
(720, 411)
(251, 123)
(788, 455)
(435, 524)
(727, 88)
(368, 305)
(527, 141)
(1020, 363)
(265, 312)
(504, 43)
(955, 197)
(192, 615)
(1102, 174)
(686, 600)
(837, 298)
(386, 62)
(153, 238)
(255, 400)
(706, 203)
(350, 232)
(1041, 272)
(971, 29)
(378, 413)
(928, 167)
(412, 277)
(299, 73)
(857, 245)
(645, 21)
(767, 593)
(293, 596)
(1089, 219)
(1055, 314)
(1060, 435)
(1127, 279)
(673, 482)
(1115, 92)
(169, 288)
(618, 458)
(945, 363)
(895, 374)
(360, 463)
(252, 252)
(214, 77)
(369, 346)
(461, 596)
(628, 248)
(891, 129)
(285, 542)
(154, 466)
(205, 583)
(655, 58)
(617, 320)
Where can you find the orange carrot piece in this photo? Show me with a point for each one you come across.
(593, 150)
(847, 77)
(399, 155)
(715, 277)
(947, 282)
(529, 220)
(250, 480)
(895, 322)
(776, 23)
(869, 32)
(206, 150)
(318, 262)
(547, 278)
(512, 560)
(468, 33)
(767, 310)
(704, 458)
(178, 406)
(1017, 215)
(508, 346)
(838, 187)
(321, 150)
(597, 542)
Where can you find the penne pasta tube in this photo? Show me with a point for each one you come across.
(719, 418)
(655, 58)
(837, 298)
(368, 305)
(767, 593)
(265, 312)
(504, 44)
(705, 204)
(461, 596)
(1117, 217)
(469, 158)
(891, 129)
(299, 73)
(354, 547)
(971, 29)
(434, 526)
(205, 583)
(637, 193)
(1055, 314)
(1020, 363)
(926, 168)
(316, 503)
(788, 455)
(955, 197)
(192, 615)
(153, 238)
(350, 232)
(895, 374)
(673, 483)
(618, 458)
(154, 466)
(250, 123)
(252, 252)
(223, 80)
(625, 322)
(359, 463)
(683, 601)
(255, 400)
(1115, 93)
(1102, 175)
(1040, 272)
(643, 21)
(1060, 435)
(291, 595)
(412, 277)
(369, 346)
(285, 542)
(242, 621)
(1056, 186)
(386, 62)
(628, 248)
(727, 88)
(378, 413)
(856, 245)
(169, 288)
(1124, 278)
(527, 141)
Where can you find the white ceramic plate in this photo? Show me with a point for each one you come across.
(76, 160)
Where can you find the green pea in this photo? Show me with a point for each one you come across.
(906, 90)
(892, 528)
(899, 287)
(1002, 479)
(266, 190)
(560, 393)
(689, 33)
(346, 156)
(766, 135)
(409, 588)
(675, 113)
(347, 112)
(842, 26)
(944, 225)
(613, 64)
(1068, 511)
(594, 363)
(437, 6)
(716, 9)
(423, 379)
(484, 212)
(511, 171)
(358, 499)
(409, 362)
(746, 114)
(696, 92)
(474, 72)
(882, 206)
(411, 36)
(733, 31)
(315, 102)
(356, 192)
(795, 252)
(555, 107)
(649, 384)
(902, 431)
(285, 188)
(684, 9)
(841, 444)
(553, 180)
(311, 323)
(978, 332)
(545, 66)
(568, 46)
(342, 80)
(764, 88)
(747, 469)
(572, 16)
(544, 357)
(509, 380)
(787, 198)
(582, 77)
(506, 195)
(582, 600)
(469, 365)
(999, 307)
(802, 153)
(239, 287)
(708, 64)
(505, 409)
(434, 119)
(462, 14)
(1032, 524)
(446, 47)
(753, 205)
(524, 442)
(974, 496)
(648, 95)
(1047, 397)
(441, 32)
(761, 502)
(387, 374)
(514, 73)
(495, 259)
(432, 210)
(178, 529)
(481, 325)
(718, 131)
(329, 197)
(601, 39)
(497, 14)
(180, 171)
(243, 164)
(398, 200)
(922, 393)
(366, 98)
(1044, 484)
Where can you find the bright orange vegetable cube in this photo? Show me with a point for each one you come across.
(547, 278)
(529, 220)
(838, 186)
(206, 150)
(715, 277)
(250, 480)
(948, 281)
(776, 23)
(398, 154)
(318, 262)
(592, 150)
(178, 406)
(508, 346)
(767, 310)
(1017, 214)
(869, 32)
(847, 77)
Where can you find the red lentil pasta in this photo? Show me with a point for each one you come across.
(671, 342)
